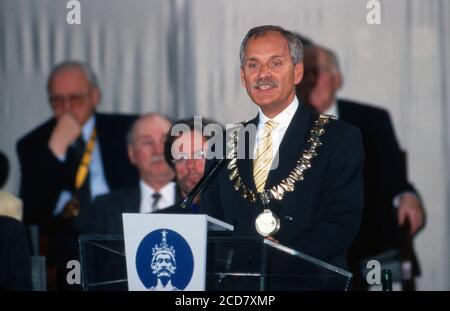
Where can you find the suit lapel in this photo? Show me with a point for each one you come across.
(342, 111)
(105, 140)
(292, 145)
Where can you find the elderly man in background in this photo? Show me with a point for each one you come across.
(70, 159)
(156, 189)
(390, 200)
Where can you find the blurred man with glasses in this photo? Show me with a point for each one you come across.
(70, 159)
(185, 150)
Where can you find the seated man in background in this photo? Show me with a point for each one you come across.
(385, 183)
(188, 163)
(70, 159)
(186, 154)
(156, 189)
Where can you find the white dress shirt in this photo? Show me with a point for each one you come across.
(333, 110)
(283, 119)
(97, 180)
(167, 197)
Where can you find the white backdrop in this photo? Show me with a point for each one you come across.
(180, 57)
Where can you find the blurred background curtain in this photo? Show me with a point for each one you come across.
(180, 57)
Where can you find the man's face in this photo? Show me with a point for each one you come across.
(70, 92)
(146, 151)
(268, 73)
(164, 265)
(190, 160)
(321, 80)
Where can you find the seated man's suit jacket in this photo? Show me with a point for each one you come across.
(44, 177)
(321, 217)
(105, 213)
(384, 178)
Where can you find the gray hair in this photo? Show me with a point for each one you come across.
(334, 60)
(332, 56)
(130, 134)
(72, 64)
(294, 42)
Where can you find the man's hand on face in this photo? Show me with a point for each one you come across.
(67, 129)
(411, 209)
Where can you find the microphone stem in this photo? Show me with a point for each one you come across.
(202, 183)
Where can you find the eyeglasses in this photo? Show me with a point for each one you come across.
(73, 99)
(182, 158)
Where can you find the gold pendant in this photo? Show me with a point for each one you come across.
(267, 223)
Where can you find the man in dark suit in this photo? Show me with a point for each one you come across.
(308, 167)
(72, 158)
(156, 189)
(390, 199)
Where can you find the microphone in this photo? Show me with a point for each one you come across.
(203, 182)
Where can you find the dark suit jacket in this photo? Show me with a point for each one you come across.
(44, 177)
(105, 214)
(384, 178)
(321, 216)
(15, 267)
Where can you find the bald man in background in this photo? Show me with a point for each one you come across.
(156, 189)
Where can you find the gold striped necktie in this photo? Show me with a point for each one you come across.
(263, 161)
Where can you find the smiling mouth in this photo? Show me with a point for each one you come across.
(265, 84)
(265, 87)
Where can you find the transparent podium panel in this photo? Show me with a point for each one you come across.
(232, 263)
(243, 263)
(103, 265)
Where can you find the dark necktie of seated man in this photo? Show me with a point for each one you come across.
(156, 197)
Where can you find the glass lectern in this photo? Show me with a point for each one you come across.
(232, 263)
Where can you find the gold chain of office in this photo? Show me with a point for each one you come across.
(288, 184)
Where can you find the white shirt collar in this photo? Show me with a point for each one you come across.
(283, 118)
(88, 127)
(333, 110)
(167, 193)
